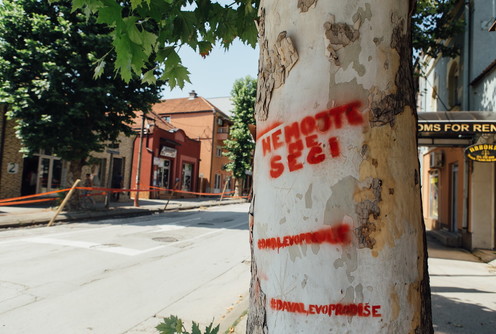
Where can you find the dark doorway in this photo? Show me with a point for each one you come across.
(29, 176)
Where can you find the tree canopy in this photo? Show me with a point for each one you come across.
(47, 57)
(433, 23)
(240, 144)
(141, 28)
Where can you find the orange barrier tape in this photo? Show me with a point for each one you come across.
(26, 202)
(31, 196)
(115, 190)
(192, 192)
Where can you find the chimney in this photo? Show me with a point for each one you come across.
(192, 95)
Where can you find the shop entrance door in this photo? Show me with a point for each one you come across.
(187, 174)
(454, 198)
(50, 174)
(163, 175)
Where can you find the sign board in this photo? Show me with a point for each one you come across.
(12, 168)
(167, 151)
(456, 127)
(113, 151)
(481, 152)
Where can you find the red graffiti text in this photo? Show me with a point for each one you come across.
(339, 234)
(347, 310)
(301, 138)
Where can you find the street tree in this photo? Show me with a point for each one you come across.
(433, 24)
(47, 66)
(338, 242)
(240, 144)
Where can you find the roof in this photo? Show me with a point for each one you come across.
(151, 119)
(223, 103)
(184, 105)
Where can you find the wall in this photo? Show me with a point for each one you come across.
(198, 126)
(484, 92)
(483, 14)
(219, 162)
(451, 156)
(482, 205)
(10, 184)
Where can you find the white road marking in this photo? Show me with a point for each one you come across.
(166, 227)
(117, 250)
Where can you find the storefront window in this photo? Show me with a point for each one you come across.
(187, 171)
(434, 194)
(217, 182)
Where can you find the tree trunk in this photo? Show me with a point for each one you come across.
(75, 168)
(338, 242)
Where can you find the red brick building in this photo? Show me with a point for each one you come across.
(203, 121)
(169, 158)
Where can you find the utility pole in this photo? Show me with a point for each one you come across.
(138, 170)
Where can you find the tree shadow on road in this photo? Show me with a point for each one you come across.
(221, 217)
(453, 316)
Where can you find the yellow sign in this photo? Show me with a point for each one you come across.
(481, 152)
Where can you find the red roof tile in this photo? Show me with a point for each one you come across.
(183, 105)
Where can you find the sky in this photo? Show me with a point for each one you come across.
(214, 76)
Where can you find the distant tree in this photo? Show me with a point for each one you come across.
(47, 60)
(433, 23)
(240, 144)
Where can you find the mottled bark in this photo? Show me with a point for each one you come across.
(337, 237)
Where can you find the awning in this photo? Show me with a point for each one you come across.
(458, 128)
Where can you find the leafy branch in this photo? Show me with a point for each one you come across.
(174, 325)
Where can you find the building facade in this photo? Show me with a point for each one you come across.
(457, 99)
(43, 172)
(169, 158)
(203, 121)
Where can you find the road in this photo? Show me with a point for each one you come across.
(123, 275)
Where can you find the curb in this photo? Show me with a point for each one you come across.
(235, 320)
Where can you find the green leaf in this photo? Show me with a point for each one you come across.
(209, 329)
(122, 63)
(149, 77)
(135, 4)
(176, 75)
(195, 329)
(99, 69)
(149, 40)
(132, 31)
(169, 325)
(109, 15)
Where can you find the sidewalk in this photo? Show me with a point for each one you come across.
(23, 215)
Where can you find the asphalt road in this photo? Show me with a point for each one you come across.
(124, 275)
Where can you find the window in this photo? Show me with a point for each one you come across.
(218, 180)
(434, 194)
(218, 151)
